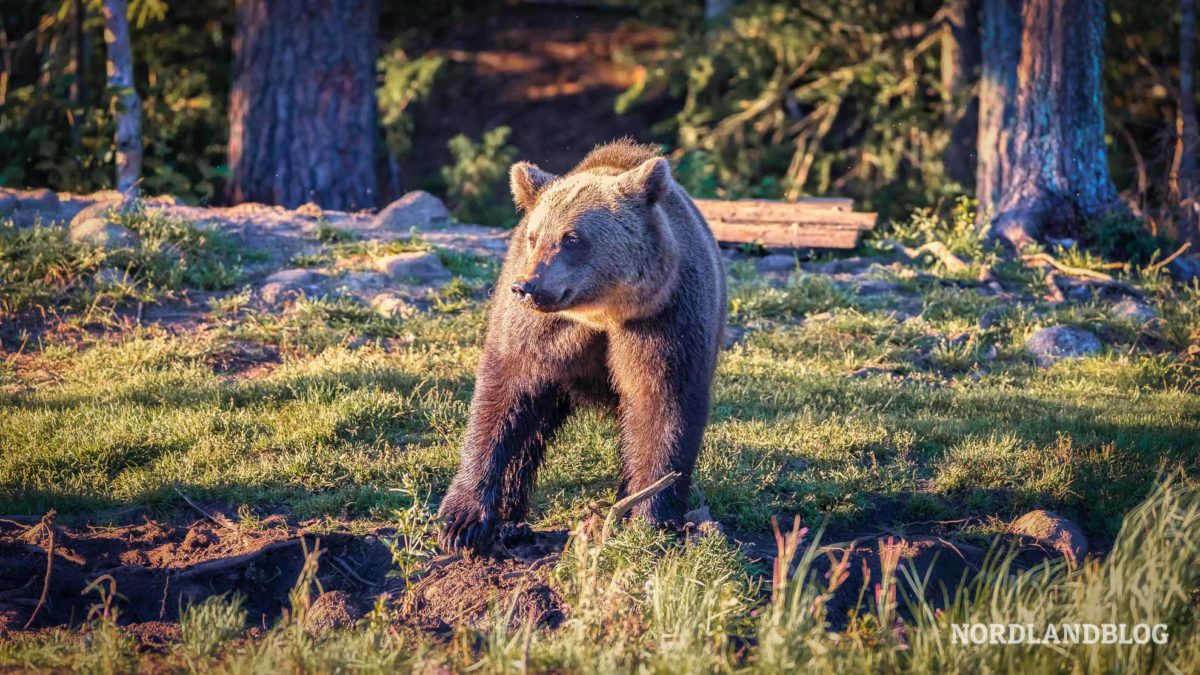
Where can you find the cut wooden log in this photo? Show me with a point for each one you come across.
(807, 223)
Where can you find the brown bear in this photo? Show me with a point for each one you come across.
(612, 294)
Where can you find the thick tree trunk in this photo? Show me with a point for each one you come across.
(960, 61)
(1183, 181)
(1000, 30)
(1057, 167)
(127, 107)
(302, 107)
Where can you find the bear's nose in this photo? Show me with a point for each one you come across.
(522, 289)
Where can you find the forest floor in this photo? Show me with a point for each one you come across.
(241, 422)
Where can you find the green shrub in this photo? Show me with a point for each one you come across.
(474, 180)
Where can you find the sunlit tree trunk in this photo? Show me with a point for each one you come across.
(1000, 32)
(1050, 164)
(302, 107)
(126, 106)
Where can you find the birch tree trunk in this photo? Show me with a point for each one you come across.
(302, 110)
(1056, 170)
(126, 106)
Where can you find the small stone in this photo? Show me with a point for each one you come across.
(415, 209)
(1053, 531)
(111, 276)
(298, 276)
(104, 210)
(276, 293)
(164, 200)
(1134, 312)
(1056, 343)
(392, 306)
(1185, 268)
(102, 233)
(309, 209)
(991, 318)
(419, 267)
(332, 610)
(356, 282)
(775, 262)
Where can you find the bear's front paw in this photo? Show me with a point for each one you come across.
(466, 525)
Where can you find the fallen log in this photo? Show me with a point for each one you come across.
(806, 223)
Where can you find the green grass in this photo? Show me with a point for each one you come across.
(863, 411)
(40, 266)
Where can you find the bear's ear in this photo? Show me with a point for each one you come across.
(526, 181)
(648, 181)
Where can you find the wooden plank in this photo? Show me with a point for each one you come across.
(783, 213)
(810, 223)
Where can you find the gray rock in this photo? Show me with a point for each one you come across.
(286, 285)
(8, 203)
(1055, 343)
(419, 267)
(1053, 531)
(102, 233)
(1185, 268)
(991, 317)
(415, 209)
(40, 200)
(105, 209)
(392, 306)
(298, 276)
(775, 262)
(1135, 312)
(357, 282)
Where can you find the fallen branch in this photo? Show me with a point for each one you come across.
(623, 506)
(1047, 259)
(937, 249)
(1171, 258)
(222, 521)
(48, 523)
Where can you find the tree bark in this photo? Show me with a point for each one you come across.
(960, 61)
(1183, 186)
(1000, 32)
(126, 106)
(1056, 172)
(302, 107)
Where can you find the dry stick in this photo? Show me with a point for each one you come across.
(222, 521)
(345, 567)
(1047, 259)
(935, 248)
(1169, 259)
(623, 506)
(48, 523)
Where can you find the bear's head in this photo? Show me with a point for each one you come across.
(597, 245)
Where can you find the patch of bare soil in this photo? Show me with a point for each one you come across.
(466, 590)
(157, 569)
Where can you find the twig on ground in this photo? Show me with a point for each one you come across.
(345, 567)
(1171, 258)
(937, 249)
(221, 521)
(48, 523)
(1047, 259)
(623, 506)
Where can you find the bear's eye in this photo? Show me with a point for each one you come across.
(532, 238)
(571, 241)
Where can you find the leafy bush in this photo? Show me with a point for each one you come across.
(474, 179)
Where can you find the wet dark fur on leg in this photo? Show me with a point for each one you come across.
(622, 306)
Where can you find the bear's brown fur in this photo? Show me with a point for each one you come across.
(612, 294)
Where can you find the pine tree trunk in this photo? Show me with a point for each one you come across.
(1000, 30)
(960, 61)
(1183, 182)
(302, 107)
(127, 107)
(1056, 169)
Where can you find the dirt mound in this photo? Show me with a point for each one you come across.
(157, 569)
(513, 581)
